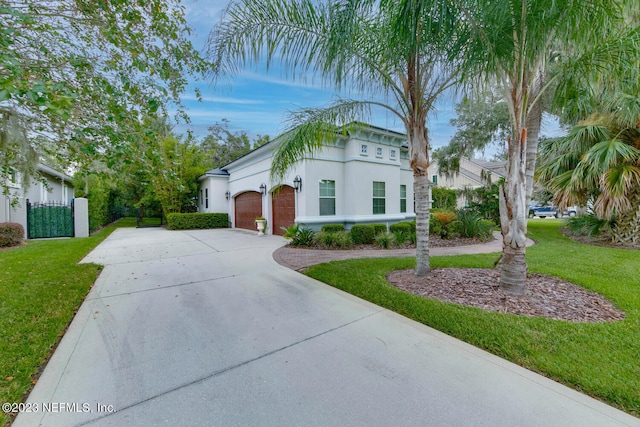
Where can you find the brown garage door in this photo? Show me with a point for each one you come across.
(248, 207)
(284, 209)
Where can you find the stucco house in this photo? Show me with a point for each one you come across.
(473, 173)
(53, 186)
(361, 177)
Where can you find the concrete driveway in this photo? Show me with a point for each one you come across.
(203, 328)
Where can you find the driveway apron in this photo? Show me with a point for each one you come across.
(204, 328)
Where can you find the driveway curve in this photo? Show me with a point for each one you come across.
(205, 328)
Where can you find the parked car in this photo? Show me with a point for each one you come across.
(543, 211)
(570, 211)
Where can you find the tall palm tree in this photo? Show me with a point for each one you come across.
(392, 53)
(508, 44)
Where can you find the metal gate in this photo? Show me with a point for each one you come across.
(49, 219)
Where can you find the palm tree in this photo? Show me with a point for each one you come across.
(599, 161)
(384, 50)
(509, 43)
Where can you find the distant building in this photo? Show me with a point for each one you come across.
(473, 173)
(53, 186)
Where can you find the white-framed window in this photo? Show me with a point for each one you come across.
(393, 154)
(378, 197)
(364, 149)
(206, 198)
(44, 192)
(378, 151)
(434, 179)
(403, 198)
(327, 193)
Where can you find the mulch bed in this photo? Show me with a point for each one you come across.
(546, 296)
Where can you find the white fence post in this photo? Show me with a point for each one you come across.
(81, 217)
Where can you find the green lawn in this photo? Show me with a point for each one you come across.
(41, 287)
(599, 359)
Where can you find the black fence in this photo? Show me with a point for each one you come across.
(49, 219)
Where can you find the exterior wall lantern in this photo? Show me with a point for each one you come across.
(263, 189)
(227, 194)
(297, 183)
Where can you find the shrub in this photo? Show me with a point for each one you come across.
(471, 224)
(444, 198)
(304, 237)
(332, 228)
(335, 239)
(587, 225)
(384, 240)
(443, 223)
(11, 234)
(362, 234)
(291, 231)
(400, 237)
(412, 237)
(190, 221)
(405, 227)
(379, 228)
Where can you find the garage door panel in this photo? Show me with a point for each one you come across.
(283, 208)
(248, 206)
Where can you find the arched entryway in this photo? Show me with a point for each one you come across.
(284, 208)
(248, 206)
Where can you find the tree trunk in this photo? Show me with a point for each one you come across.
(627, 227)
(513, 219)
(534, 119)
(422, 194)
(419, 162)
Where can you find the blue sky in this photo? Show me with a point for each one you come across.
(257, 102)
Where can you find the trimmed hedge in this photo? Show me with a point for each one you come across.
(379, 228)
(190, 221)
(333, 228)
(405, 227)
(11, 234)
(363, 234)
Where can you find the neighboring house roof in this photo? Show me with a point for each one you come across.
(50, 171)
(499, 168)
(214, 172)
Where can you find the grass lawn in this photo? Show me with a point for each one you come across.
(41, 287)
(599, 359)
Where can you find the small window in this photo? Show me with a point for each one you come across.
(378, 197)
(364, 149)
(403, 198)
(327, 197)
(378, 151)
(206, 198)
(434, 179)
(393, 154)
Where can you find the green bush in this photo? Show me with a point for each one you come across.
(385, 240)
(471, 224)
(291, 231)
(405, 227)
(332, 228)
(335, 239)
(303, 237)
(400, 237)
(441, 223)
(444, 198)
(379, 228)
(587, 225)
(11, 234)
(190, 221)
(362, 234)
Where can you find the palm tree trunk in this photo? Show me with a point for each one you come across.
(419, 162)
(534, 119)
(513, 219)
(422, 192)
